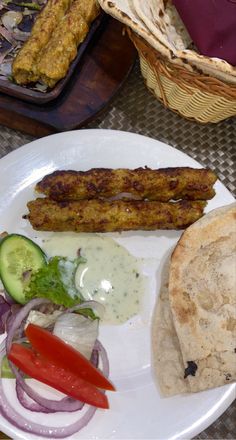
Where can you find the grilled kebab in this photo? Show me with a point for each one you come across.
(24, 65)
(144, 183)
(59, 28)
(103, 216)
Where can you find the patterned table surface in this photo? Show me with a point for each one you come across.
(214, 146)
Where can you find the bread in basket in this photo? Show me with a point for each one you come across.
(195, 86)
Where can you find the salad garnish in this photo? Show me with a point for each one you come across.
(51, 338)
(55, 281)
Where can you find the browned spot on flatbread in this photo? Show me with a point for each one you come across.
(186, 309)
(124, 15)
(230, 324)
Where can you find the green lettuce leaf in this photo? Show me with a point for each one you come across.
(55, 281)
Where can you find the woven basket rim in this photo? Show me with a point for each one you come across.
(180, 75)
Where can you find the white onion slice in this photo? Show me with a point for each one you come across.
(77, 331)
(42, 319)
(11, 19)
(5, 69)
(6, 34)
(19, 35)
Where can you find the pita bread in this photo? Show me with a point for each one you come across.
(158, 22)
(207, 339)
(202, 295)
(167, 361)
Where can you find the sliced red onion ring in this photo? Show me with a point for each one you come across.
(94, 358)
(48, 405)
(123, 196)
(21, 422)
(8, 310)
(19, 318)
(104, 358)
(65, 405)
(12, 316)
(35, 428)
(32, 406)
(3, 346)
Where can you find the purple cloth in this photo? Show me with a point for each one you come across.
(211, 25)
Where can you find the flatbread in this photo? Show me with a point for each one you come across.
(166, 27)
(164, 22)
(188, 336)
(202, 295)
(167, 361)
(158, 22)
(125, 12)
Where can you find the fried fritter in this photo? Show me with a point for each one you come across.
(162, 185)
(103, 216)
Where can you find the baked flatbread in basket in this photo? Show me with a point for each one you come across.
(194, 326)
(158, 22)
(124, 11)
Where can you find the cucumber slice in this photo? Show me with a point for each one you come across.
(6, 372)
(20, 257)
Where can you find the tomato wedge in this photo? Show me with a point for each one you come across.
(37, 367)
(65, 356)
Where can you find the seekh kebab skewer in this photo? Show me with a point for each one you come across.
(103, 216)
(161, 184)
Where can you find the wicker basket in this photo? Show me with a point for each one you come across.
(192, 95)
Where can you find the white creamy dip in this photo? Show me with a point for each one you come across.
(111, 275)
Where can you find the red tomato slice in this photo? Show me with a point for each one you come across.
(37, 367)
(65, 356)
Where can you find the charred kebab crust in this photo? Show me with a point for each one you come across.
(191, 369)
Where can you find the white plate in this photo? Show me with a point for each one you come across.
(137, 410)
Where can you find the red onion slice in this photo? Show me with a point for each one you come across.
(22, 423)
(19, 318)
(31, 406)
(65, 405)
(104, 358)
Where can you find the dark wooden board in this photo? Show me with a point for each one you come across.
(93, 84)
